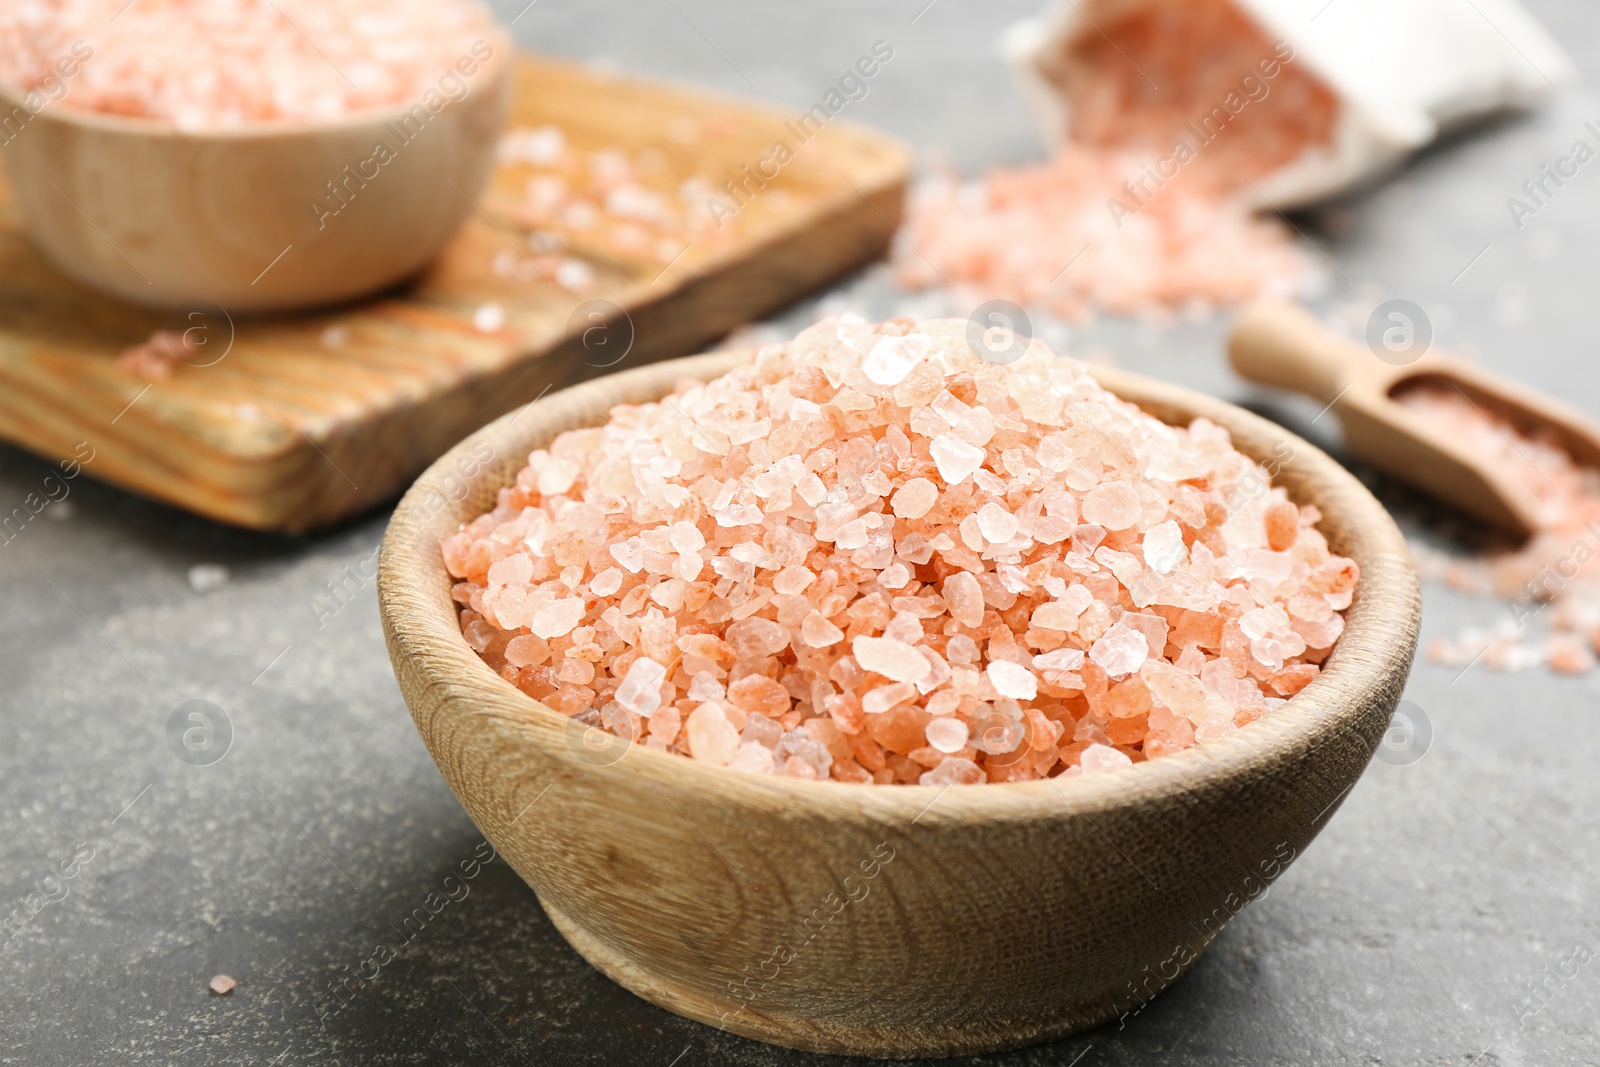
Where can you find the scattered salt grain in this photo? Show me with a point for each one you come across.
(487, 318)
(204, 577)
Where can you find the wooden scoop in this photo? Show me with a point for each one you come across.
(1281, 345)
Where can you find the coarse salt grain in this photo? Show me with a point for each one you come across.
(914, 617)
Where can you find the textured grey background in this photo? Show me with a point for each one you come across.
(1411, 933)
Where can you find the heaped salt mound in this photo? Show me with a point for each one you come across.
(873, 557)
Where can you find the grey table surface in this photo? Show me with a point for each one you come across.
(1414, 931)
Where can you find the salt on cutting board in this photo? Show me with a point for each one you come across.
(293, 423)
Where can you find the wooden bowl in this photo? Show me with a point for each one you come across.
(168, 217)
(888, 920)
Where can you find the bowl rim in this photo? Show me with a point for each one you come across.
(164, 129)
(1368, 664)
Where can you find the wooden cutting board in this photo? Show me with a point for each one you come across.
(309, 419)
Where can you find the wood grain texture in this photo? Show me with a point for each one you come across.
(994, 916)
(286, 433)
(1284, 346)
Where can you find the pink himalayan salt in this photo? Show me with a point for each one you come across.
(640, 691)
(963, 598)
(893, 659)
(711, 736)
(846, 641)
(1553, 578)
(1120, 218)
(947, 734)
(646, 208)
(155, 359)
(208, 64)
(1121, 650)
(1098, 757)
(1012, 680)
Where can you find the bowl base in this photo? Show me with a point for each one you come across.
(888, 1040)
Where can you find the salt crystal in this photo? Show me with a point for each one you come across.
(817, 632)
(792, 580)
(1102, 758)
(640, 691)
(757, 692)
(1114, 505)
(892, 358)
(686, 538)
(488, 318)
(204, 577)
(606, 582)
(1054, 615)
(895, 576)
(893, 659)
(884, 697)
(752, 758)
(954, 771)
(1013, 680)
(757, 637)
(739, 515)
(630, 554)
(915, 498)
(515, 569)
(762, 730)
(955, 458)
(1120, 650)
(557, 618)
(712, 737)
(1163, 547)
(964, 597)
(996, 524)
(704, 686)
(1260, 622)
(1063, 659)
(997, 734)
(947, 733)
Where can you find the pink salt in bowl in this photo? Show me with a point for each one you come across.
(895, 921)
(260, 217)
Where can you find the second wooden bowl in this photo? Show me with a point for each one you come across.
(888, 920)
(264, 217)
